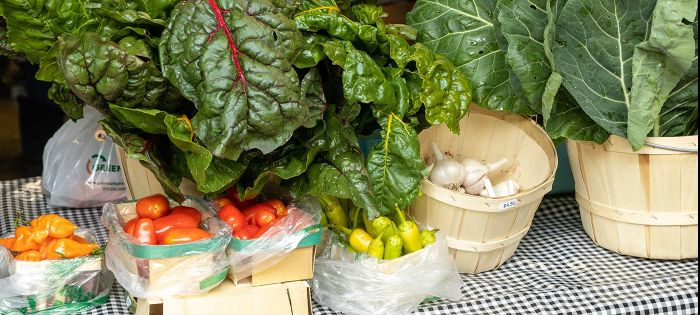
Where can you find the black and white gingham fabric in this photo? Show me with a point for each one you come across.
(556, 269)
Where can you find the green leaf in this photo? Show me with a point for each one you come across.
(395, 166)
(5, 46)
(235, 63)
(679, 115)
(209, 173)
(593, 53)
(135, 46)
(34, 26)
(69, 102)
(312, 50)
(367, 14)
(363, 79)
(568, 120)
(467, 33)
(658, 64)
(523, 24)
(99, 71)
(149, 153)
(49, 70)
(124, 13)
(312, 89)
(550, 92)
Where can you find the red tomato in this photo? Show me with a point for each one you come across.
(246, 233)
(152, 207)
(231, 215)
(250, 212)
(188, 211)
(129, 226)
(185, 235)
(281, 209)
(233, 195)
(145, 231)
(173, 221)
(266, 227)
(263, 217)
(221, 202)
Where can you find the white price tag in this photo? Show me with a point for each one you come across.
(508, 204)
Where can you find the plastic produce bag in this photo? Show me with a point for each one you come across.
(79, 171)
(64, 286)
(158, 271)
(355, 283)
(292, 231)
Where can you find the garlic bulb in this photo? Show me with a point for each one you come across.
(475, 173)
(446, 172)
(503, 189)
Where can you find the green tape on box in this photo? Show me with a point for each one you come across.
(213, 279)
(310, 240)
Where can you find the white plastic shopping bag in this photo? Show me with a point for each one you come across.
(79, 171)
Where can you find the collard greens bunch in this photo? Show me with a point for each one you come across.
(591, 68)
(240, 92)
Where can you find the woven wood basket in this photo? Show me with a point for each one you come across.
(642, 203)
(483, 233)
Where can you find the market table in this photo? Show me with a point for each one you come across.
(556, 269)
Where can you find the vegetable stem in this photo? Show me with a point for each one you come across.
(221, 25)
(438, 154)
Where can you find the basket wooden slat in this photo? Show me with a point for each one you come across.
(482, 234)
(640, 203)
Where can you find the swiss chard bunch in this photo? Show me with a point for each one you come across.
(231, 92)
(590, 68)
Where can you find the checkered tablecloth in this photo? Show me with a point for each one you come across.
(556, 269)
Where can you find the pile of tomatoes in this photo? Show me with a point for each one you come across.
(158, 224)
(248, 218)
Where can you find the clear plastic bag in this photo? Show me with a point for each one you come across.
(248, 256)
(355, 283)
(79, 171)
(158, 271)
(64, 286)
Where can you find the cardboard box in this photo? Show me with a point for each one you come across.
(291, 298)
(297, 265)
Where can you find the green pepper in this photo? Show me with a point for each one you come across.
(409, 233)
(368, 224)
(381, 223)
(334, 211)
(376, 246)
(427, 237)
(355, 220)
(393, 247)
(359, 239)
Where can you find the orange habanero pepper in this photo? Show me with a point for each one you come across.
(68, 248)
(7, 242)
(23, 240)
(30, 255)
(51, 225)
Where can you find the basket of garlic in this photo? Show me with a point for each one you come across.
(485, 185)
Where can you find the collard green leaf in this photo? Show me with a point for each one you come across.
(679, 115)
(211, 174)
(593, 54)
(69, 102)
(467, 33)
(568, 120)
(523, 24)
(394, 165)
(234, 62)
(658, 64)
(553, 84)
(99, 71)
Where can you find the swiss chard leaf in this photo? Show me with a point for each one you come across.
(211, 174)
(593, 53)
(234, 61)
(658, 64)
(467, 33)
(5, 47)
(394, 165)
(69, 102)
(312, 89)
(99, 71)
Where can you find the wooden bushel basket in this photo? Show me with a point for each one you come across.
(482, 233)
(642, 203)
